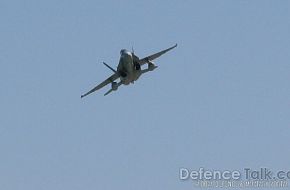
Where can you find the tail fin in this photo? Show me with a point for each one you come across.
(110, 67)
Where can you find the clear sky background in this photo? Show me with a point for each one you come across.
(220, 100)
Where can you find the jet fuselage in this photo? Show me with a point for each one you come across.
(127, 69)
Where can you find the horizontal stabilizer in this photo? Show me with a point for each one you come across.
(111, 90)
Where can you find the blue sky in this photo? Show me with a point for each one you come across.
(220, 100)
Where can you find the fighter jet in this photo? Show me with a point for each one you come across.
(128, 70)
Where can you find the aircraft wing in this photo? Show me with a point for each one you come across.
(104, 83)
(154, 56)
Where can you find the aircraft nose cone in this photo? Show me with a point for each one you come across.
(126, 54)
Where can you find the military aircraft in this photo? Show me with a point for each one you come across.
(128, 70)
